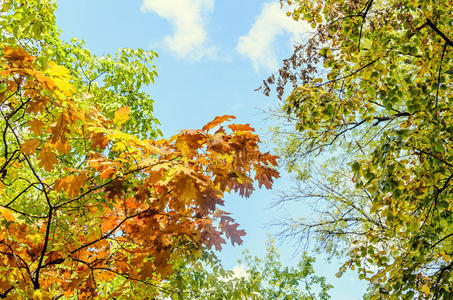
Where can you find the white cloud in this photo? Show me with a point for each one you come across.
(239, 271)
(189, 38)
(258, 44)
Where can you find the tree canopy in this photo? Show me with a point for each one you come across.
(256, 278)
(89, 193)
(371, 135)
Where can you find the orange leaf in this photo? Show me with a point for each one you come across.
(36, 126)
(265, 175)
(62, 146)
(60, 128)
(107, 172)
(29, 147)
(17, 54)
(99, 140)
(71, 184)
(241, 127)
(47, 159)
(6, 213)
(267, 158)
(217, 121)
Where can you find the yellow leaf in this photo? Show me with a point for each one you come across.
(7, 215)
(60, 77)
(29, 147)
(121, 116)
(41, 295)
(2, 187)
(58, 71)
(425, 289)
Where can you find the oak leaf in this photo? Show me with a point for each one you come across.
(47, 159)
(233, 233)
(217, 120)
(241, 127)
(265, 175)
(36, 126)
(71, 184)
(29, 147)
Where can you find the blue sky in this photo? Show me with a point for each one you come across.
(212, 55)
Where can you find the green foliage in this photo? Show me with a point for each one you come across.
(371, 105)
(263, 278)
(111, 81)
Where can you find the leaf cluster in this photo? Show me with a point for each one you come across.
(372, 90)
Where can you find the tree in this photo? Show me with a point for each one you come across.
(371, 107)
(261, 279)
(89, 195)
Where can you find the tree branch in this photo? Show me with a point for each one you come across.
(442, 35)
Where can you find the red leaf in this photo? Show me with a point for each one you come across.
(233, 233)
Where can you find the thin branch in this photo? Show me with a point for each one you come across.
(350, 74)
(370, 3)
(441, 240)
(44, 249)
(442, 35)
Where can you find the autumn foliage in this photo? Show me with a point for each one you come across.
(83, 201)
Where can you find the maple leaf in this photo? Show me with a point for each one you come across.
(37, 105)
(217, 120)
(107, 172)
(185, 189)
(121, 116)
(47, 159)
(193, 138)
(46, 81)
(58, 70)
(29, 147)
(115, 189)
(215, 239)
(188, 141)
(209, 199)
(60, 77)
